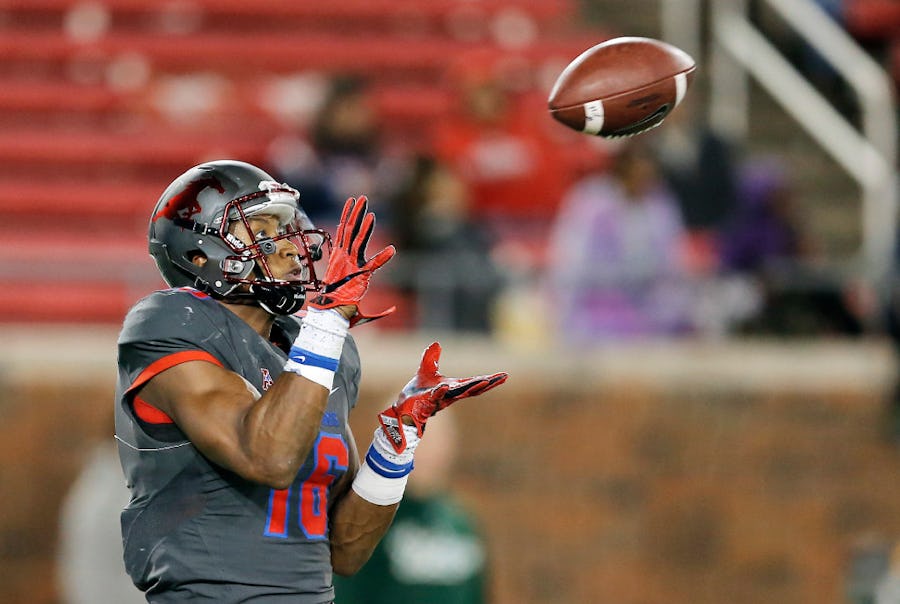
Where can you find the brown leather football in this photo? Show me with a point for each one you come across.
(621, 87)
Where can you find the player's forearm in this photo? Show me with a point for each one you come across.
(357, 527)
(278, 432)
(283, 424)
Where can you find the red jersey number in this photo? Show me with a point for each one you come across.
(332, 459)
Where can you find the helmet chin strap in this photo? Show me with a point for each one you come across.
(275, 300)
(278, 300)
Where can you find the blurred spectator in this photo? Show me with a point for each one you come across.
(866, 579)
(91, 566)
(887, 590)
(765, 241)
(764, 229)
(699, 166)
(433, 553)
(615, 254)
(505, 155)
(340, 156)
(445, 258)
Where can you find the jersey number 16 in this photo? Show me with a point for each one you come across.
(331, 460)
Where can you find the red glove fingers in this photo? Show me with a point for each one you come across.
(429, 392)
(348, 273)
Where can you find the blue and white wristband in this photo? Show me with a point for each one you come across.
(317, 350)
(386, 467)
(383, 473)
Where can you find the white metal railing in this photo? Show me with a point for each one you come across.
(738, 50)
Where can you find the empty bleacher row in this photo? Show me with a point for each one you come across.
(348, 15)
(102, 103)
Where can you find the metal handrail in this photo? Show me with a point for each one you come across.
(869, 156)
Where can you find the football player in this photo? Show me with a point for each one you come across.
(231, 412)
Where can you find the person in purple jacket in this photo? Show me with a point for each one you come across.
(616, 267)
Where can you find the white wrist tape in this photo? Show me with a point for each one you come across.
(378, 489)
(382, 477)
(317, 349)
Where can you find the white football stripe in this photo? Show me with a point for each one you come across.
(680, 87)
(593, 117)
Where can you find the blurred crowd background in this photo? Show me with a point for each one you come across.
(700, 322)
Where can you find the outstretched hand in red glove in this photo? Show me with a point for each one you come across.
(427, 393)
(348, 273)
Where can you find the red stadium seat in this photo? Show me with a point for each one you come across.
(77, 142)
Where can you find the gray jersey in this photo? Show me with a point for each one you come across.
(194, 530)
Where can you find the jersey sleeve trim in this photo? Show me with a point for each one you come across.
(148, 413)
(169, 361)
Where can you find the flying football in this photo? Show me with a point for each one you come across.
(621, 87)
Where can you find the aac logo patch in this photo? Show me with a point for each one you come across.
(267, 380)
(330, 419)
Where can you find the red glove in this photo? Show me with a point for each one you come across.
(429, 392)
(348, 273)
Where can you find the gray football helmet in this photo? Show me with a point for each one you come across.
(193, 217)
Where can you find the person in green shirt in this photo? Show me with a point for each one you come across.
(434, 552)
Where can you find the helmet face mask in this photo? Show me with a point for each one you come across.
(310, 247)
(210, 211)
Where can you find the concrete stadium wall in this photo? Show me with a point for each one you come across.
(679, 473)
